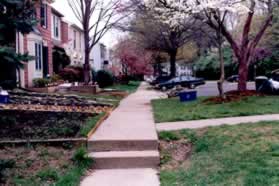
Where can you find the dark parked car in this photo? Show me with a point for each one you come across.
(160, 79)
(184, 81)
(233, 78)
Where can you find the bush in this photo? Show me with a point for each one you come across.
(104, 78)
(40, 82)
(8, 84)
(55, 78)
(72, 74)
(94, 75)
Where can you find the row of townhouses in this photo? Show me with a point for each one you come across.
(53, 32)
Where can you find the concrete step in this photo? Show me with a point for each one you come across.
(122, 177)
(122, 145)
(125, 159)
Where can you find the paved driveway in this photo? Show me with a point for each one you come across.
(210, 88)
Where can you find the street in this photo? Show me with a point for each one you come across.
(210, 88)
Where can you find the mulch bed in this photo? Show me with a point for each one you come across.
(233, 96)
(25, 124)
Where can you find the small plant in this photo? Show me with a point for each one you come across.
(168, 136)
(48, 175)
(4, 165)
(8, 121)
(40, 82)
(81, 158)
(165, 158)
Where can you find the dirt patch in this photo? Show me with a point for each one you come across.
(28, 162)
(232, 96)
(175, 154)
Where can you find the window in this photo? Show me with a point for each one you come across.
(38, 56)
(44, 15)
(75, 39)
(56, 27)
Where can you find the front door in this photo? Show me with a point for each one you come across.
(45, 61)
(38, 60)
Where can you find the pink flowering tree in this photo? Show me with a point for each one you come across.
(134, 59)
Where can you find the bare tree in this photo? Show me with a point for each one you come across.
(97, 17)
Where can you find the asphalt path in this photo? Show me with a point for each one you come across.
(210, 88)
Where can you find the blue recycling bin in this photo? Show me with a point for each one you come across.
(188, 96)
(4, 97)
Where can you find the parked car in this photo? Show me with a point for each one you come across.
(184, 81)
(268, 85)
(159, 80)
(233, 78)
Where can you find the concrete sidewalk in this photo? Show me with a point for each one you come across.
(195, 124)
(125, 146)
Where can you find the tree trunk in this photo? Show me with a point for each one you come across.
(86, 66)
(172, 55)
(220, 83)
(243, 75)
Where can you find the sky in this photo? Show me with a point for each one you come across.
(62, 6)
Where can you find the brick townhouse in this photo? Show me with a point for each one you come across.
(51, 31)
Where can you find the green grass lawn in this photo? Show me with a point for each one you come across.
(131, 87)
(169, 110)
(245, 155)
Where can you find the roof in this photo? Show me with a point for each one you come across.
(77, 27)
(56, 12)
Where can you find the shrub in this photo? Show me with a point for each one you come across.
(40, 82)
(104, 78)
(72, 74)
(8, 84)
(55, 78)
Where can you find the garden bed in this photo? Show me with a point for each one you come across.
(245, 154)
(232, 96)
(34, 125)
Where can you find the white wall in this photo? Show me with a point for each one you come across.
(96, 59)
(76, 54)
(181, 68)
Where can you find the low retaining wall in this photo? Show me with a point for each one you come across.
(93, 89)
(49, 142)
